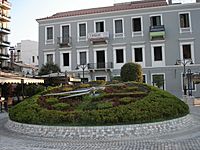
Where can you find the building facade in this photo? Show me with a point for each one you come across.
(101, 40)
(27, 52)
(5, 7)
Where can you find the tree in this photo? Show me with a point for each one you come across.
(131, 72)
(48, 68)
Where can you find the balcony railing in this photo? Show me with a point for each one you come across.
(4, 56)
(5, 4)
(64, 41)
(4, 30)
(98, 37)
(157, 32)
(4, 43)
(4, 17)
(99, 66)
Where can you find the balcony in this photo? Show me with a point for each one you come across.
(4, 43)
(98, 38)
(64, 41)
(5, 4)
(4, 17)
(100, 66)
(157, 32)
(4, 30)
(4, 56)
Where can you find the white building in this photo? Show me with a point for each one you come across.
(26, 52)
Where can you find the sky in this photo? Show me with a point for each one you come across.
(24, 13)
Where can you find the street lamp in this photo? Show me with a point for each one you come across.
(83, 67)
(66, 77)
(184, 62)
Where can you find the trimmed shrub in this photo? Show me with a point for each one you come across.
(125, 100)
(66, 89)
(154, 105)
(32, 89)
(61, 106)
(131, 72)
(84, 85)
(97, 83)
(104, 105)
(52, 100)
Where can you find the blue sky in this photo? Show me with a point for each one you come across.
(25, 12)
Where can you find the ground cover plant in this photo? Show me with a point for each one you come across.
(112, 104)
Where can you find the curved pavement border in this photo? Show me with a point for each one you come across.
(104, 132)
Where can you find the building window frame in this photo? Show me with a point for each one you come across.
(49, 41)
(118, 35)
(119, 65)
(191, 43)
(154, 15)
(137, 33)
(100, 49)
(81, 38)
(78, 57)
(194, 86)
(104, 24)
(158, 63)
(142, 63)
(33, 59)
(152, 74)
(104, 76)
(144, 76)
(185, 29)
(45, 56)
(62, 31)
(62, 67)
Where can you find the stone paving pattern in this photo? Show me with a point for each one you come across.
(186, 137)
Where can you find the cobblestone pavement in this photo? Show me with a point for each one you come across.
(187, 139)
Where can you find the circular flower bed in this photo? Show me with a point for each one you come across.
(124, 103)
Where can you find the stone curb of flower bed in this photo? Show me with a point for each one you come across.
(102, 132)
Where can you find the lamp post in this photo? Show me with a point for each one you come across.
(184, 62)
(66, 78)
(83, 67)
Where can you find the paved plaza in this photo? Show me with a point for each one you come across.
(184, 139)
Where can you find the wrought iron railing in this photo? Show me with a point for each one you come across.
(64, 41)
(101, 65)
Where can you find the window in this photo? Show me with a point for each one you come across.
(158, 53)
(65, 34)
(118, 26)
(158, 81)
(82, 29)
(33, 59)
(119, 56)
(184, 20)
(136, 25)
(155, 20)
(49, 31)
(101, 78)
(100, 26)
(83, 58)
(187, 51)
(138, 54)
(144, 78)
(49, 58)
(65, 59)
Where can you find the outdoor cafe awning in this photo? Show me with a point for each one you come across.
(19, 80)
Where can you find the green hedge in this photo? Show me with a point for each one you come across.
(158, 105)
